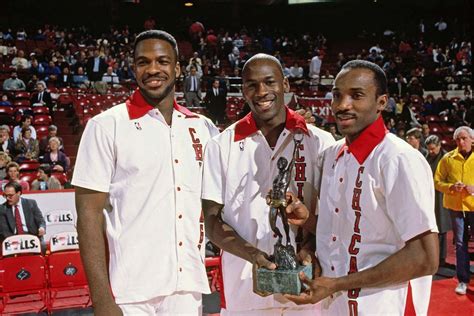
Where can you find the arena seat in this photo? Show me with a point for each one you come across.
(41, 131)
(42, 119)
(19, 103)
(41, 110)
(28, 166)
(61, 176)
(68, 287)
(22, 95)
(23, 277)
(29, 176)
(214, 274)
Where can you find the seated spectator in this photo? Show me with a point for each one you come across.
(296, 72)
(13, 175)
(36, 68)
(110, 77)
(65, 79)
(56, 158)
(25, 122)
(4, 101)
(27, 215)
(80, 79)
(5, 159)
(44, 142)
(42, 97)
(125, 74)
(45, 181)
(14, 83)
(20, 62)
(31, 85)
(7, 144)
(52, 72)
(413, 137)
(27, 148)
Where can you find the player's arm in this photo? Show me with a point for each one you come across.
(226, 238)
(420, 254)
(90, 228)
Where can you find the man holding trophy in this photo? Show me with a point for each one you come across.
(259, 176)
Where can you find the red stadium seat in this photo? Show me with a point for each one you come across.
(62, 177)
(22, 95)
(29, 176)
(68, 285)
(42, 119)
(20, 103)
(23, 280)
(41, 131)
(41, 110)
(214, 274)
(29, 166)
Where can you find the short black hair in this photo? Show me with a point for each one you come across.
(15, 185)
(46, 169)
(379, 75)
(157, 34)
(262, 56)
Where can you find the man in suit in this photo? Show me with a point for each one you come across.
(96, 66)
(216, 101)
(19, 215)
(42, 97)
(192, 88)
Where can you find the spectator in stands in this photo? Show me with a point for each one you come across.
(455, 178)
(333, 130)
(80, 79)
(125, 74)
(36, 68)
(21, 35)
(96, 66)
(55, 157)
(31, 85)
(27, 148)
(5, 159)
(14, 83)
(4, 101)
(435, 153)
(19, 215)
(13, 175)
(296, 73)
(192, 88)
(415, 87)
(65, 80)
(25, 122)
(44, 180)
(42, 97)
(215, 100)
(195, 59)
(428, 105)
(7, 144)
(44, 142)
(442, 104)
(234, 57)
(315, 68)
(52, 72)
(413, 137)
(20, 62)
(110, 77)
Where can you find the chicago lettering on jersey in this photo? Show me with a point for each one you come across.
(356, 239)
(196, 144)
(300, 171)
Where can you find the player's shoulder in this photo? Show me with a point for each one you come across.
(116, 113)
(321, 134)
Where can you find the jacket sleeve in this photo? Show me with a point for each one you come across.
(39, 219)
(441, 175)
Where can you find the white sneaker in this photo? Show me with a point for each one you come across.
(461, 288)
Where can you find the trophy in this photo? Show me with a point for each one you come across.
(285, 279)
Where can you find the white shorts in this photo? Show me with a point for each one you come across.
(304, 310)
(178, 303)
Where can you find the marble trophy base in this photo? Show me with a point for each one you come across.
(282, 281)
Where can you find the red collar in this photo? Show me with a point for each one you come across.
(247, 126)
(363, 145)
(137, 107)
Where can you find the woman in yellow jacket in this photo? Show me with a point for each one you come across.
(455, 178)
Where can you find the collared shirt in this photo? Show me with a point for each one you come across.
(239, 169)
(376, 194)
(22, 216)
(152, 174)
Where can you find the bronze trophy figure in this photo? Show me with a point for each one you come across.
(285, 279)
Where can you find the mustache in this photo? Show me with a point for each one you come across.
(344, 114)
(156, 77)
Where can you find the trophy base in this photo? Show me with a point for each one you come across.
(282, 281)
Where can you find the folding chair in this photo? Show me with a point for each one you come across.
(23, 276)
(68, 285)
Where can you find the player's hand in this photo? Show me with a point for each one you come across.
(296, 211)
(111, 309)
(318, 289)
(41, 231)
(261, 261)
(307, 115)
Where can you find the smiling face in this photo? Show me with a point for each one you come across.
(264, 88)
(156, 69)
(355, 103)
